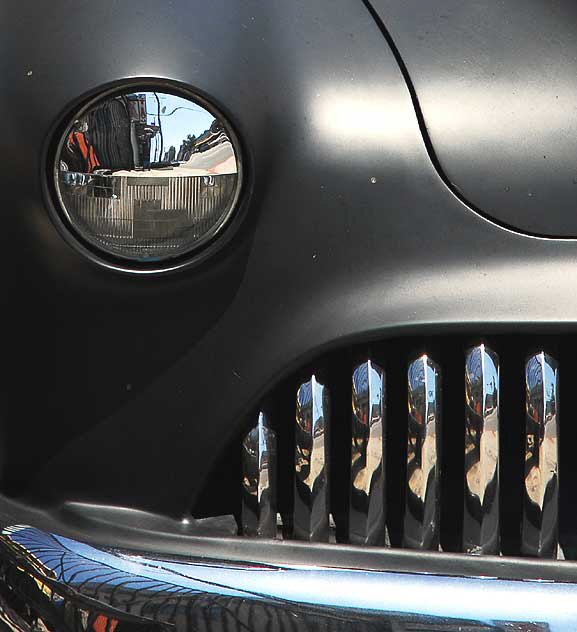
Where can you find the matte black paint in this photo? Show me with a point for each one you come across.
(497, 86)
(127, 390)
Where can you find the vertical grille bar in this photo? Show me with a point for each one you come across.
(539, 533)
(259, 489)
(421, 525)
(367, 490)
(311, 502)
(481, 515)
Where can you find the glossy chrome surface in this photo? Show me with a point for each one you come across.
(311, 499)
(147, 175)
(539, 531)
(367, 493)
(423, 487)
(50, 582)
(481, 515)
(259, 452)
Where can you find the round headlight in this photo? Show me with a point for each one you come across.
(147, 176)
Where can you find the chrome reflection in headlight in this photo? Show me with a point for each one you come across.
(146, 175)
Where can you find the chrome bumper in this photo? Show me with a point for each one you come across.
(50, 582)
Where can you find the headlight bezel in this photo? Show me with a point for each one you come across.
(212, 242)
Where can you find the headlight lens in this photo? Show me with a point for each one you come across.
(146, 175)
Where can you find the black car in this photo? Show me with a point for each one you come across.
(288, 305)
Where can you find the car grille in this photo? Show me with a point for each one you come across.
(436, 448)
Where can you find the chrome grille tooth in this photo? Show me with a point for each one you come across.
(311, 501)
(259, 489)
(367, 487)
(422, 511)
(481, 502)
(539, 531)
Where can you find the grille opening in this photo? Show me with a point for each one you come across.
(334, 369)
(339, 436)
(452, 454)
(512, 448)
(396, 439)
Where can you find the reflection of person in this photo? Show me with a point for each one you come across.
(80, 151)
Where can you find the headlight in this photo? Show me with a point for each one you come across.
(147, 176)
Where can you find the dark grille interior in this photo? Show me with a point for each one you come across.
(222, 494)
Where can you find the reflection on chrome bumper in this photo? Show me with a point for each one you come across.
(55, 583)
